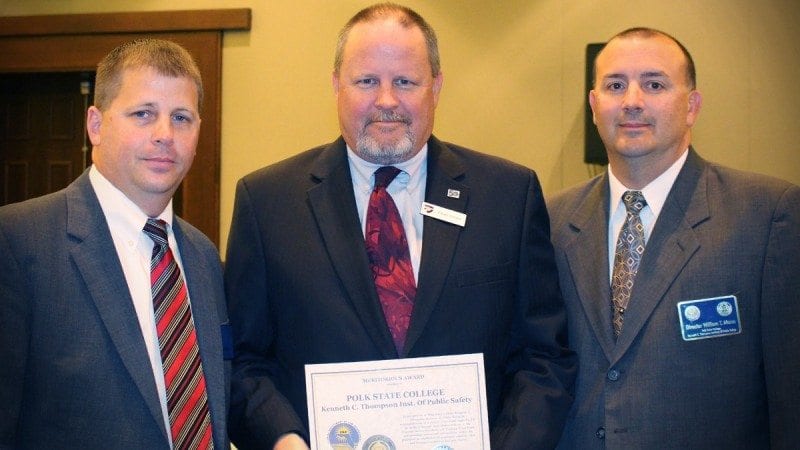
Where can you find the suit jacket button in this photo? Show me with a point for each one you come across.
(613, 374)
(600, 433)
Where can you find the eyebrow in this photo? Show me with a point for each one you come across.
(155, 105)
(653, 74)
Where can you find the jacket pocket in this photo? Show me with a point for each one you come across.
(484, 275)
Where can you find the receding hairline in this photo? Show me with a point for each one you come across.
(402, 15)
(652, 33)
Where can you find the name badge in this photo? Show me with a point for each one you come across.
(443, 214)
(709, 318)
(227, 341)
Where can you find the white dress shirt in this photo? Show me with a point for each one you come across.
(655, 194)
(407, 191)
(134, 248)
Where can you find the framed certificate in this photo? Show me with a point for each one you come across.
(433, 403)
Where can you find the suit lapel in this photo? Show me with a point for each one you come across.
(439, 237)
(672, 244)
(587, 256)
(96, 258)
(206, 322)
(333, 205)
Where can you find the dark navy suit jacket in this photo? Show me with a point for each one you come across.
(301, 291)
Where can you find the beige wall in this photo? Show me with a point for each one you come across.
(514, 76)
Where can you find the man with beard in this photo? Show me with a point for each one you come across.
(327, 261)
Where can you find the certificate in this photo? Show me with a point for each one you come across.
(433, 403)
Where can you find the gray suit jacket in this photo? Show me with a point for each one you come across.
(75, 371)
(720, 232)
(300, 291)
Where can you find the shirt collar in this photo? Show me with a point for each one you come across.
(655, 193)
(122, 215)
(412, 172)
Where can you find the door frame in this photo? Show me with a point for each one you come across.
(77, 42)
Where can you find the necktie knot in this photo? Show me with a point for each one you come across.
(157, 230)
(634, 201)
(385, 175)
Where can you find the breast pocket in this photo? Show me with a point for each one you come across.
(484, 275)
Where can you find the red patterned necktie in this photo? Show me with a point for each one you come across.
(389, 257)
(187, 400)
(628, 254)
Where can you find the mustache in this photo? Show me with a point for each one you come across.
(634, 117)
(389, 116)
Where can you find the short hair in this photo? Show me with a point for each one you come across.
(405, 16)
(691, 74)
(166, 57)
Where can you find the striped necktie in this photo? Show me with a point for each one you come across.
(187, 400)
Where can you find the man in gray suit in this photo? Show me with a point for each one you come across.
(88, 345)
(687, 329)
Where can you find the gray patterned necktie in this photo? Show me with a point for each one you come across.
(628, 254)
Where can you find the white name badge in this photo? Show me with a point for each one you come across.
(709, 318)
(443, 214)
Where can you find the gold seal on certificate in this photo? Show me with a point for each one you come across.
(379, 442)
(409, 404)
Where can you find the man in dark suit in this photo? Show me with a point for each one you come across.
(681, 277)
(304, 285)
(91, 348)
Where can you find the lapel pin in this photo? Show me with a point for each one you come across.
(453, 193)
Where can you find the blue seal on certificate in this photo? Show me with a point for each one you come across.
(378, 442)
(442, 447)
(343, 436)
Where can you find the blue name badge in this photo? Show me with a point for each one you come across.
(709, 318)
(227, 341)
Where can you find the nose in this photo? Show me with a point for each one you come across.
(632, 100)
(163, 132)
(386, 99)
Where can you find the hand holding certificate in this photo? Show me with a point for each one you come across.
(414, 403)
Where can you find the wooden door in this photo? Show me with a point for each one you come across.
(42, 133)
(77, 42)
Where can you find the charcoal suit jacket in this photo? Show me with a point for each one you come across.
(721, 233)
(75, 372)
